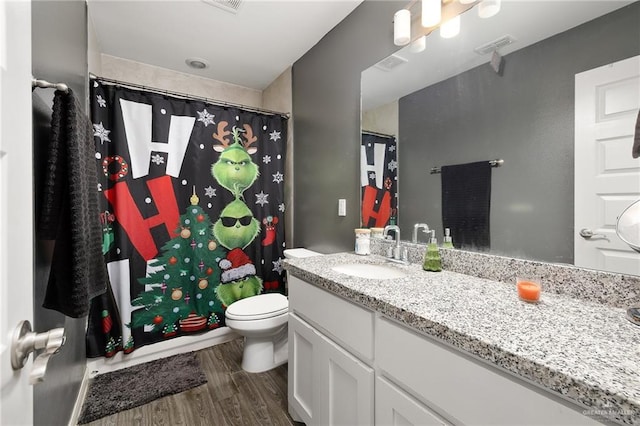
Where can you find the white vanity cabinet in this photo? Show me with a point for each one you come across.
(329, 337)
(462, 389)
(349, 365)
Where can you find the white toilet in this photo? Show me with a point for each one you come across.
(262, 321)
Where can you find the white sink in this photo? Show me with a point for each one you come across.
(363, 270)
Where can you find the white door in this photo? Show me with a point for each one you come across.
(16, 223)
(395, 407)
(346, 396)
(607, 177)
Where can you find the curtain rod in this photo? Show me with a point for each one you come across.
(494, 163)
(191, 97)
(46, 85)
(369, 132)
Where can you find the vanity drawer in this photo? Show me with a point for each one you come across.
(349, 324)
(462, 389)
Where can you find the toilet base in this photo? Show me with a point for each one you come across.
(265, 353)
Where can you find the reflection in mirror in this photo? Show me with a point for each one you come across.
(568, 77)
(378, 179)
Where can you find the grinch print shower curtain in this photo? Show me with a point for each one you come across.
(192, 211)
(379, 180)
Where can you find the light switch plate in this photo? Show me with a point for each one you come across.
(342, 207)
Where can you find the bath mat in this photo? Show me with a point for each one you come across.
(121, 390)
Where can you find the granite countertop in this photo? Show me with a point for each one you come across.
(587, 352)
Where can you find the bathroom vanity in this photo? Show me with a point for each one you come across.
(448, 348)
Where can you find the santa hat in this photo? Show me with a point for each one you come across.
(236, 266)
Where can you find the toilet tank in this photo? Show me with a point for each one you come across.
(298, 253)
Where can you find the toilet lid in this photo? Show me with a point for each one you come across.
(258, 307)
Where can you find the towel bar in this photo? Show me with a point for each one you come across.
(494, 163)
(45, 84)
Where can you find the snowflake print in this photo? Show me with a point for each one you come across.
(274, 136)
(101, 102)
(205, 117)
(157, 159)
(392, 148)
(261, 198)
(281, 207)
(210, 191)
(277, 265)
(101, 132)
(278, 177)
(372, 175)
(266, 159)
(393, 164)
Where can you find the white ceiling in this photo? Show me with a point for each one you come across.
(529, 21)
(250, 48)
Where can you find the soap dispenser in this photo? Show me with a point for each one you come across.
(432, 261)
(447, 242)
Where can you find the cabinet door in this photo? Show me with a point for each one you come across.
(303, 392)
(347, 387)
(395, 407)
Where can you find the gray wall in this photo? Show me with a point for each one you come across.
(59, 54)
(326, 121)
(526, 118)
(326, 117)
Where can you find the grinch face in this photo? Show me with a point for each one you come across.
(236, 290)
(236, 226)
(234, 170)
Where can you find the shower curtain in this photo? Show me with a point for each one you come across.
(192, 214)
(378, 178)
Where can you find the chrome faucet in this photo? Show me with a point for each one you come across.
(396, 250)
(417, 226)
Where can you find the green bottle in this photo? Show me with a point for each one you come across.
(447, 242)
(432, 261)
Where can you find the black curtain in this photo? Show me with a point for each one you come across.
(192, 211)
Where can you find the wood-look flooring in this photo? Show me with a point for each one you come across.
(230, 397)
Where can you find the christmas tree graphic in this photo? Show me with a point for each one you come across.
(182, 293)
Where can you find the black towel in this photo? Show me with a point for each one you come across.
(466, 203)
(69, 211)
(635, 151)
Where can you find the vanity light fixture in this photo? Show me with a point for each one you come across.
(418, 45)
(450, 28)
(402, 27)
(431, 13)
(488, 8)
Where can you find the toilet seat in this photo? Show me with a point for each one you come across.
(258, 307)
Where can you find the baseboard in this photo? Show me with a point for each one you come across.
(178, 345)
(82, 394)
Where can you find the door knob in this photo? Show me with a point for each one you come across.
(24, 341)
(587, 233)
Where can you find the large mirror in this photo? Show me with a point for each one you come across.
(555, 198)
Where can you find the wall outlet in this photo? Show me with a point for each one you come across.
(342, 207)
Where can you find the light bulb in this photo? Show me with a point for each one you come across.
(431, 13)
(451, 28)
(488, 8)
(402, 27)
(467, 1)
(418, 45)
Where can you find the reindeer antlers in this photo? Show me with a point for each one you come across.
(250, 138)
(221, 136)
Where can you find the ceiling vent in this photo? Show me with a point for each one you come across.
(390, 62)
(494, 45)
(231, 6)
